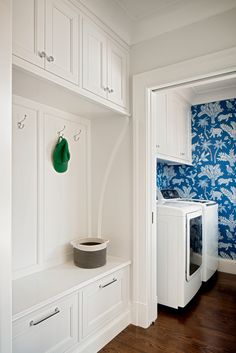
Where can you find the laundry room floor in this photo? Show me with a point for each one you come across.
(206, 325)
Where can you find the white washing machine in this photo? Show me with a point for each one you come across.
(210, 230)
(179, 252)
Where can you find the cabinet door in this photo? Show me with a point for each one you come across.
(117, 74)
(103, 301)
(173, 128)
(61, 45)
(184, 124)
(28, 30)
(94, 59)
(159, 111)
(53, 328)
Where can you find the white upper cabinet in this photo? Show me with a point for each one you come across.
(49, 41)
(61, 40)
(94, 59)
(28, 30)
(104, 65)
(172, 114)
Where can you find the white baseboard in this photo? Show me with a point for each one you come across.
(140, 314)
(227, 266)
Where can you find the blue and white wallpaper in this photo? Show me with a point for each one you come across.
(212, 175)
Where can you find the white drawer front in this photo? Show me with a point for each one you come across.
(52, 329)
(103, 300)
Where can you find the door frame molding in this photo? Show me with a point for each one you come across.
(210, 67)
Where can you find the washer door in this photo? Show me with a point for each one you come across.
(193, 244)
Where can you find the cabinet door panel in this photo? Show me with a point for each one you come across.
(184, 119)
(25, 186)
(103, 301)
(173, 127)
(53, 328)
(62, 40)
(159, 111)
(117, 74)
(94, 59)
(28, 30)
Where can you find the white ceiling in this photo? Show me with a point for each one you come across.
(209, 92)
(215, 86)
(139, 9)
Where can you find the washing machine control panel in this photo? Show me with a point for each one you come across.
(170, 194)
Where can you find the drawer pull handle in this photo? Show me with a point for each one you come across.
(108, 284)
(50, 58)
(32, 323)
(42, 54)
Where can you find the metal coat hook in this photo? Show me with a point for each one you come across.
(20, 123)
(77, 136)
(59, 133)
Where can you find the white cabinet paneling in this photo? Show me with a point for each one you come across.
(173, 127)
(117, 74)
(104, 300)
(104, 65)
(94, 59)
(49, 208)
(25, 188)
(97, 299)
(65, 194)
(28, 30)
(53, 328)
(61, 40)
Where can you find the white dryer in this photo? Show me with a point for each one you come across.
(210, 229)
(179, 252)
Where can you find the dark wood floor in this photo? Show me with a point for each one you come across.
(206, 325)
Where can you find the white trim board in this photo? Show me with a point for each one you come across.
(227, 266)
(209, 67)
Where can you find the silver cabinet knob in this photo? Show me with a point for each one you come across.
(182, 154)
(50, 59)
(110, 90)
(105, 88)
(157, 146)
(42, 54)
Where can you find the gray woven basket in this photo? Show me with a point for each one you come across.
(90, 252)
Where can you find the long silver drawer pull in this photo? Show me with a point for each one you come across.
(32, 323)
(108, 284)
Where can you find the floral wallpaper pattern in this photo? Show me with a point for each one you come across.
(213, 174)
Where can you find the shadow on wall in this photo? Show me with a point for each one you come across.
(212, 175)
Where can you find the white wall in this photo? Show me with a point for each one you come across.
(208, 36)
(5, 176)
(181, 13)
(111, 179)
(112, 15)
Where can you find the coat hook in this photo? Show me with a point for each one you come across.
(60, 131)
(77, 136)
(20, 123)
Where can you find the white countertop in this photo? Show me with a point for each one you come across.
(41, 288)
